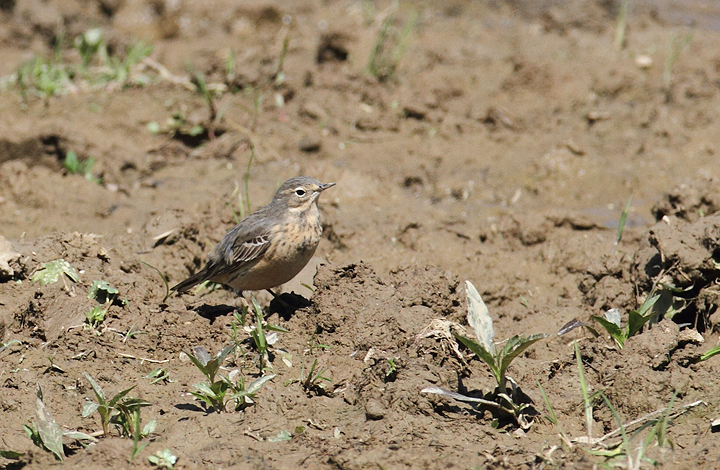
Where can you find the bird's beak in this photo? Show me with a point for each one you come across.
(324, 186)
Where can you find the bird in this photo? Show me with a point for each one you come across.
(270, 246)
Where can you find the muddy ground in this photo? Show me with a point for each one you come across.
(495, 142)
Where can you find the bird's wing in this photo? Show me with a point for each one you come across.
(244, 243)
(248, 250)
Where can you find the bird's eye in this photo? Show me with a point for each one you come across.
(300, 192)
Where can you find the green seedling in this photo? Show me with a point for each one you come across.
(636, 320)
(162, 276)
(163, 459)
(552, 417)
(52, 270)
(131, 333)
(675, 47)
(159, 375)
(279, 69)
(237, 208)
(47, 434)
(43, 78)
(90, 43)
(481, 323)
(621, 455)
(106, 295)
(103, 292)
(53, 366)
(390, 46)
(501, 399)
(230, 70)
(262, 342)
(76, 166)
(107, 409)
(392, 368)
(217, 394)
(95, 316)
(202, 89)
(130, 424)
(588, 399)
(621, 25)
(621, 224)
(9, 343)
(312, 382)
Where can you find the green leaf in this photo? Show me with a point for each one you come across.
(224, 353)
(102, 291)
(648, 304)
(205, 389)
(89, 408)
(95, 315)
(710, 353)
(485, 355)
(80, 436)
(163, 458)
(130, 401)
(256, 385)
(614, 330)
(281, 436)
(479, 318)
(623, 218)
(635, 322)
(47, 429)
(277, 328)
(149, 427)
(516, 345)
(99, 394)
(52, 270)
(10, 454)
(200, 360)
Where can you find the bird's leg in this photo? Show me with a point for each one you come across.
(272, 293)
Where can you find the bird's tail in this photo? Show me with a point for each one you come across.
(190, 282)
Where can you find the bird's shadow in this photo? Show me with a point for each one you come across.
(211, 312)
(286, 304)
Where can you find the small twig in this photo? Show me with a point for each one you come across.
(143, 359)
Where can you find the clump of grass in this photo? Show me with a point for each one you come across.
(621, 25)
(220, 392)
(390, 46)
(314, 381)
(97, 68)
(76, 166)
(675, 46)
(120, 410)
(620, 453)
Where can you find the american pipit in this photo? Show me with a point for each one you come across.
(271, 245)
